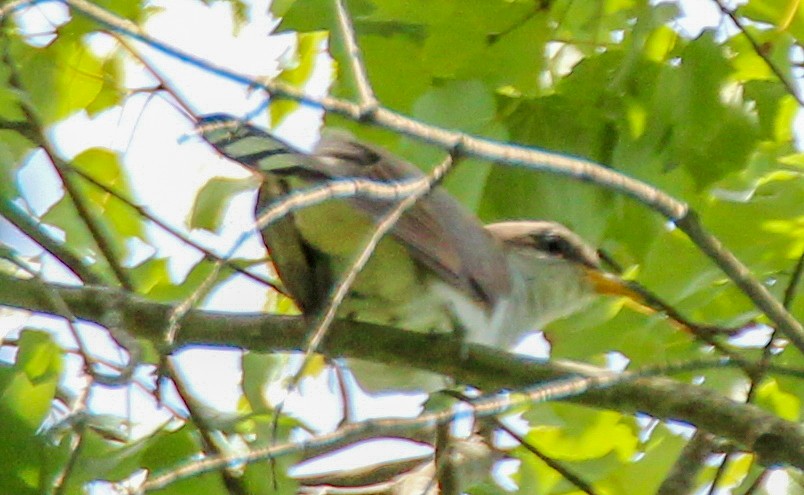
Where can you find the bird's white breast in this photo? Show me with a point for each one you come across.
(543, 290)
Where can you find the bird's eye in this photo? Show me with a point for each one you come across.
(551, 244)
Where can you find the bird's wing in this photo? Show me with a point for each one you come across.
(438, 231)
(300, 267)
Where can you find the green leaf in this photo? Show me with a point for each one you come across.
(30, 391)
(27, 390)
(152, 278)
(104, 166)
(110, 94)
(39, 357)
(212, 200)
(66, 68)
(167, 450)
(784, 404)
(259, 370)
(657, 456)
(299, 73)
(589, 434)
(13, 148)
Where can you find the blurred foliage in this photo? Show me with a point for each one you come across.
(700, 115)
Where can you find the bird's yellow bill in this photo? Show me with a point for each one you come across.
(610, 285)
(607, 284)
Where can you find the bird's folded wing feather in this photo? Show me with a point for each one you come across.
(438, 232)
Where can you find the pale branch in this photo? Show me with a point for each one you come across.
(742, 277)
(481, 407)
(775, 440)
(368, 101)
(579, 169)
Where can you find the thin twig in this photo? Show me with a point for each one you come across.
(556, 466)
(76, 443)
(234, 484)
(76, 410)
(102, 238)
(795, 279)
(175, 232)
(564, 471)
(760, 51)
(368, 101)
(164, 83)
(743, 278)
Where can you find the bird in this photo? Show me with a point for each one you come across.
(438, 269)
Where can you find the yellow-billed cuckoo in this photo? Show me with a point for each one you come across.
(439, 266)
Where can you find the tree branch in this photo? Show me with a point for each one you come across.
(775, 440)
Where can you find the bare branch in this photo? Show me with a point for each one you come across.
(748, 426)
(596, 381)
(368, 102)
